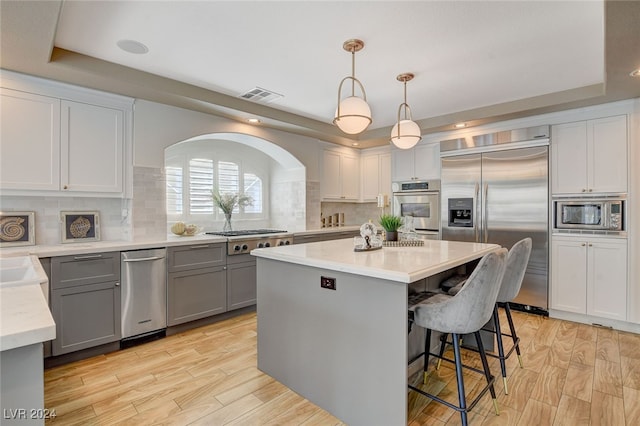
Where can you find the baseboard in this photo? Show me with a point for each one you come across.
(597, 321)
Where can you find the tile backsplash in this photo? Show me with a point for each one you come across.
(113, 214)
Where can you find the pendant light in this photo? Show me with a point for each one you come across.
(353, 114)
(406, 133)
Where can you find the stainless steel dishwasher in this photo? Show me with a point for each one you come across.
(144, 292)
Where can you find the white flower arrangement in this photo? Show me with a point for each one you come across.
(227, 201)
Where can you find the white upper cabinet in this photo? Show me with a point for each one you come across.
(92, 149)
(418, 163)
(64, 139)
(376, 175)
(340, 176)
(589, 156)
(29, 141)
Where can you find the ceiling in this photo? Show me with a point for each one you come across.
(474, 61)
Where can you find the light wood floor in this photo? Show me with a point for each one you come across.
(573, 374)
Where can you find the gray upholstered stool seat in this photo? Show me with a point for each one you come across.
(515, 269)
(464, 313)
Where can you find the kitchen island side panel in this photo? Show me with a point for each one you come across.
(345, 349)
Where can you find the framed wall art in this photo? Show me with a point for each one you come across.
(80, 226)
(17, 229)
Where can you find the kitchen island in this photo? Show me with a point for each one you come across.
(332, 323)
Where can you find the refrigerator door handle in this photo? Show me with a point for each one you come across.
(485, 219)
(476, 225)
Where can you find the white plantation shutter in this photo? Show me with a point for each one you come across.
(228, 178)
(253, 188)
(173, 177)
(200, 186)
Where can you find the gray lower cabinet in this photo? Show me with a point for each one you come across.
(196, 282)
(241, 284)
(85, 301)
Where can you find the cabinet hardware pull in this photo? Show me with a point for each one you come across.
(590, 245)
(584, 244)
(117, 284)
(144, 259)
(91, 256)
(65, 187)
(200, 247)
(584, 190)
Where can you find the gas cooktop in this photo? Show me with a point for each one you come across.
(245, 232)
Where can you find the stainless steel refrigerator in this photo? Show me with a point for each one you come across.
(500, 194)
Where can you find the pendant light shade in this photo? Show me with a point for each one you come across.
(406, 133)
(353, 114)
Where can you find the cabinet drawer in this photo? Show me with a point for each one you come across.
(82, 269)
(197, 256)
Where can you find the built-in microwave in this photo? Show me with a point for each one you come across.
(597, 214)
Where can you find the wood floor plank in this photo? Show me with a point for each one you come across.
(579, 382)
(607, 345)
(607, 410)
(630, 369)
(537, 413)
(607, 378)
(572, 412)
(631, 399)
(549, 385)
(584, 352)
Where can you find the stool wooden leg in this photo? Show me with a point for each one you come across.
(427, 348)
(487, 372)
(516, 343)
(503, 367)
(459, 378)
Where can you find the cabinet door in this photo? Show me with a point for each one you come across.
(568, 275)
(402, 164)
(331, 179)
(370, 177)
(85, 316)
(350, 178)
(92, 148)
(427, 161)
(607, 279)
(569, 158)
(196, 294)
(384, 177)
(607, 148)
(29, 141)
(241, 285)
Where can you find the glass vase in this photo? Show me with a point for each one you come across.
(227, 222)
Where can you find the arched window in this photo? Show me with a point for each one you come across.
(191, 178)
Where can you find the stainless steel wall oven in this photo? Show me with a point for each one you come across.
(421, 201)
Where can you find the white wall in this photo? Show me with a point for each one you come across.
(157, 126)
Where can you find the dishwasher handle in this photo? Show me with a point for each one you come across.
(143, 259)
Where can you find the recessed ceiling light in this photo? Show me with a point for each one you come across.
(253, 120)
(635, 73)
(460, 125)
(355, 144)
(132, 46)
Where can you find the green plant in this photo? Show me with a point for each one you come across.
(390, 222)
(227, 201)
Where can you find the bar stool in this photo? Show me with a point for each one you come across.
(464, 313)
(515, 268)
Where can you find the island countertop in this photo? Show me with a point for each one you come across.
(401, 264)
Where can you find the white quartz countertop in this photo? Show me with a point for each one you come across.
(98, 246)
(25, 318)
(402, 264)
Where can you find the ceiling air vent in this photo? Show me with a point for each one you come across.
(258, 94)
